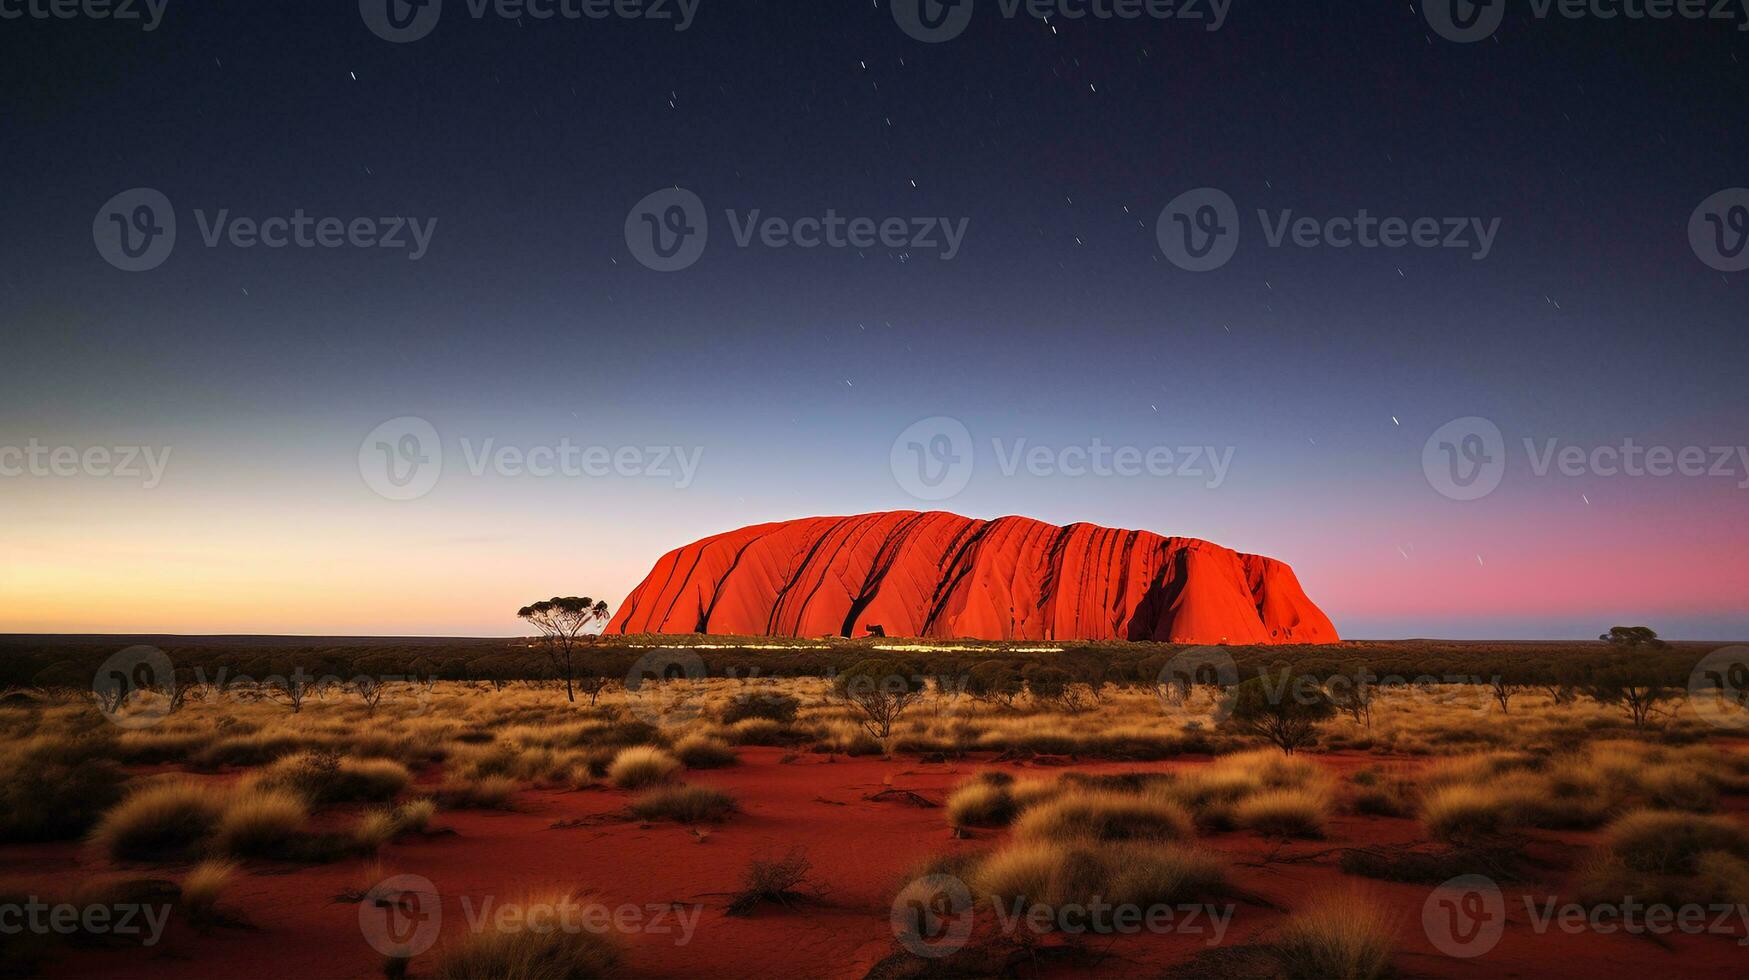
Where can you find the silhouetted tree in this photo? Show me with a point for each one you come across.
(1633, 636)
(1285, 709)
(882, 689)
(562, 622)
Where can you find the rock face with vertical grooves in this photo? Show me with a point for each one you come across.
(943, 576)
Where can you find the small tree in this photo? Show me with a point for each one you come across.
(1637, 689)
(1056, 686)
(1633, 636)
(1285, 710)
(1353, 691)
(995, 682)
(291, 690)
(561, 622)
(1503, 689)
(369, 690)
(882, 690)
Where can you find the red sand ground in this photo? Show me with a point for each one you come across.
(861, 851)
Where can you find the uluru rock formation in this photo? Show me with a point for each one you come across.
(943, 576)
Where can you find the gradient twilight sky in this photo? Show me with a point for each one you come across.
(1060, 321)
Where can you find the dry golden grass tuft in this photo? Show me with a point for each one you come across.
(528, 953)
(202, 887)
(981, 804)
(262, 824)
(1338, 935)
(1297, 812)
(1105, 816)
(704, 752)
(683, 803)
(640, 766)
(480, 793)
(164, 820)
(1058, 873)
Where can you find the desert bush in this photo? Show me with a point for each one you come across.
(881, 690)
(324, 777)
(771, 706)
(528, 953)
(1285, 813)
(1058, 873)
(1341, 935)
(995, 682)
(703, 752)
(262, 824)
(55, 788)
(163, 820)
(686, 804)
(1671, 843)
(1105, 816)
(1381, 795)
(641, 765)
(758, 731)
(483, 793)
(1284, 709)
(775, 880)
(980, 804)
(202, 887)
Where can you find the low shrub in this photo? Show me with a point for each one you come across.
(1105, 816)
(529, 953)
(703, 752)
(163, 820)
(1284, 813)
(980, 804)
(686, 804)
(641, 765)
(1341, 935)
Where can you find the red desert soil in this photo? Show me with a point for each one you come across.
(944, 576)
(861, 851)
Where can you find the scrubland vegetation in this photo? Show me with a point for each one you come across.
(230, 783)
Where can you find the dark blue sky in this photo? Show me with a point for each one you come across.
(1060, 320)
